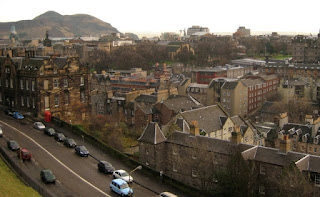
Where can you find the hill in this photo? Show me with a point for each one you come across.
(58, 26)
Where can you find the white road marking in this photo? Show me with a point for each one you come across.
(84, 180)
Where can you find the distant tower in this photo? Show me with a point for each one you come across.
(13, 34)
(184, 32)
(47, 41)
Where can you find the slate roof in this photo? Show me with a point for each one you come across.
(230, 85)
(143, 98)
(270, 108)
(60, 62)
(314, 164)
(297, 83)
(210, 144)
(209, 118)
(303, 129)
(152, 134)
(179, 103)
(272, 156)
(146, 109)
(237, 120)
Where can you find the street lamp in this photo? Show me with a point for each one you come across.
(137, 168)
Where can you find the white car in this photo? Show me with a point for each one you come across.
(167, 194)
(39, 125)
(122, 174)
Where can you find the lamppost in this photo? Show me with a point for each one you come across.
(137, 168)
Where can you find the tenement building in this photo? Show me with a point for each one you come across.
(37, 84)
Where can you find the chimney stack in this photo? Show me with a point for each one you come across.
(285, 144)
(194, 128)
(236, 135)
(308, 119)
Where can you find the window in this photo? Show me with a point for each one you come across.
(174, 167)
(21, 84)
(82, 97)
(174, 151)
(22, 101)
(46, 102)
(262, 189)
(7, 83)
(194, 155)
(317, 179)
(8, 70)
(81, 81)
(27, 84)
(32, 85)
(28, 101)
(41, 71)
(315, 150)
(246, 139)
(55, 83)
(65, 82)
(11, 83)
(262, 170)
(194, 173)
(147, 152)
(46, 84)
(56, 100)
(33, 103)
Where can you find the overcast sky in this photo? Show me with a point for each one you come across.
(149, 16)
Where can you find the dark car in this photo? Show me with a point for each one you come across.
(24, 154)
(47, 176)
(13, 145)
(69, 142)
(8, 112)
(49, 131)
(82, 151)
(59, 137)
(105, 167)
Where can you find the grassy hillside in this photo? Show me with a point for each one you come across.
(11, 185)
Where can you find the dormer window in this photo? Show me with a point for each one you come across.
(305, 138)
(316, 139)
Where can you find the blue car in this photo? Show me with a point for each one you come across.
(121, 187)
(18, 115)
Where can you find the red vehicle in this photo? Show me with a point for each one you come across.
(24, 153)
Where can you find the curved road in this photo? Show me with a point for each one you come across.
(76, 176)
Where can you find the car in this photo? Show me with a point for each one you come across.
(47, 176)
(167, 194)
(105, 167)
(13, 145)
(121, 187)
(1, 132)
(49, 131)
(122, 174)
(82, 151)
(59, 137)
(8, 112)
(18, 115)
(39, 125)
(24, 153)
(69, 142)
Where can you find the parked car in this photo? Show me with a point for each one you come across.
(13, 145)
(121, 187)
(69, 142)
(39, 125)
(17, 115)
(1, 132)
(49, 131)
(122, 174)
(59, 137)
(47, 176)
(105, 167)
(167, 194)
(8, 111)
(82, 151)
(24, 153)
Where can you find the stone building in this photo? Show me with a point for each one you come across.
(305, 49)
(191, 158)
(38, 84)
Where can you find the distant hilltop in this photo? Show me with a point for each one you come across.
(58, 26)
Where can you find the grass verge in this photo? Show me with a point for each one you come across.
(11, 185)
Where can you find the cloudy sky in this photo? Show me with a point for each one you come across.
(148, 16)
